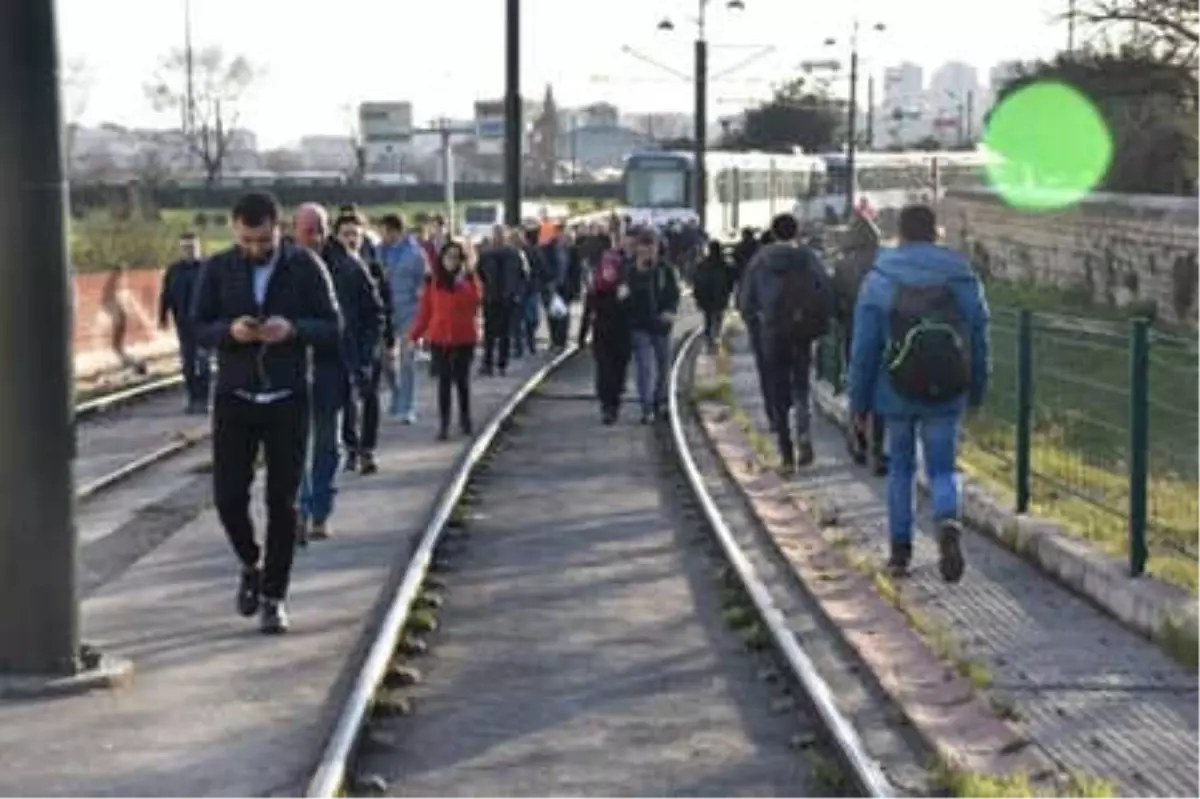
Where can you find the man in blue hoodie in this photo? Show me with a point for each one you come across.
(919, 359)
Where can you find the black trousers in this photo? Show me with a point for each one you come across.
(712, 325)
(453, 368)
(760, 366)
(612, 366)
(240, 428)
(497, 334)
(360, 431)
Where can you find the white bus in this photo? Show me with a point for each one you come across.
(480, 218)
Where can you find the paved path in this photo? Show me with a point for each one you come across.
(582, 651)
(110, 440)
(216, 708)
(1095, 696)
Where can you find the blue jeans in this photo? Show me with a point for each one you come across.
(317, 488)
(404, 390)
(652, 356)
(939, 443)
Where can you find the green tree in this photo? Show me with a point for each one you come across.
(1138, 67)
(796, 116)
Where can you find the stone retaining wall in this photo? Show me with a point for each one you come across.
(1116, 249)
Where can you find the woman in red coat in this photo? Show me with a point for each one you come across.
(447, 320)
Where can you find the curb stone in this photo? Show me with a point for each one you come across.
(941, 705)
(1165, 614)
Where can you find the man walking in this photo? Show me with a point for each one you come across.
(500, 270)
(653, 304)
(788, 301)
(174, 304)
(262, 305)
(920, 359)
(406, 267)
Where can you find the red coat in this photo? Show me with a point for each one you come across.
(447, 316)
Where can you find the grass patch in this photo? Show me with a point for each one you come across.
(720, 392)
(960, 782)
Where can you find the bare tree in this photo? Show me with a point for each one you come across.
(219, 85)
(1166, 28)
(77, 84)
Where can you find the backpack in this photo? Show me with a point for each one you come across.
(804, 304)
(927, 353)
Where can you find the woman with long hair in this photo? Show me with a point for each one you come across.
(447, 320)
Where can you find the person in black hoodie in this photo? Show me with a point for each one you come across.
(262, 305)
(653, 303)
(711, 291)
(175, 303)
(360, 431)
(743, 251)
(606, 315)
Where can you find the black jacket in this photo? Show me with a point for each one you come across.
(385, 297)
(711, 285)
(178, 288)
(652, 292)
(361, 306)
(299, 291)
(501, 269)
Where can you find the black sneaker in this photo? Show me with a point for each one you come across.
(950, 557)
(367, 464)
(352, 461)
(900, 559)
(273, 620)
(880, 467)
(485, 371)
(608, 417)
(647, 417)
(443, 434)
(247, 593)
(804, 452)
(467, 428)
(857, 449)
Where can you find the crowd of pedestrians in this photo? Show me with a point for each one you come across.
(308, 326)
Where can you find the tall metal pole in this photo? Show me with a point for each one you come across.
(512, 114)
(970, 116)
(1070, 27)
(39, 617)
(701, 133)
(448, 175)
(871, 112)
(700, 112)
(852, 125)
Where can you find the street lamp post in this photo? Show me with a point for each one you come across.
(700, 112)
(512, 114)
(852, 113)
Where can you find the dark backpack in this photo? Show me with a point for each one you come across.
(928, 356)
(804, 305)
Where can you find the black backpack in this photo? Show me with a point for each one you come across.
(804, 305)
(928, 356)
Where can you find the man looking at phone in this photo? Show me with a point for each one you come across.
(261, 305)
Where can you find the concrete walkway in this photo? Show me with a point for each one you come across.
(1093, 695)
(216, 708)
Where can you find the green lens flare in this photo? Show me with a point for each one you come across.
(1053, 143)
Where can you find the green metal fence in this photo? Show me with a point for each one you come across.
(1092, 422)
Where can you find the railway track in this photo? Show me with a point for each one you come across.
(577, 618)
(123, 433)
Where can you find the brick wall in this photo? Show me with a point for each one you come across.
(138, 293)
(1118, 249)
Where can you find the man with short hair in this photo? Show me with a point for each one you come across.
(787, 302)
(262, 305)
(406, 266)
(175, 304)
(653, 303)
(920, 359)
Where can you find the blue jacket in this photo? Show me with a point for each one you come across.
(870, 385)
(404, 265)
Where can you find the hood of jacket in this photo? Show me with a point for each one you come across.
(923, 264)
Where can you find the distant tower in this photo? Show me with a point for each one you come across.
(546, 134)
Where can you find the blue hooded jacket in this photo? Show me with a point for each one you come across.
(915, 264)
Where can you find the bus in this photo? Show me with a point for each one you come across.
(480, 218)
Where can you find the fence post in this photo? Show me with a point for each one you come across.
(1139, 442)
(1024, 408)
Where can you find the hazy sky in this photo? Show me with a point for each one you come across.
(318, 58)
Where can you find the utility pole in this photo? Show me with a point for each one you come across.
(513, 126)
(871, 112)
(189, 112)
(39, 607)
(852, 124)
(700, 134)
(1070, 27)
(448, 173)
(970, 116)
